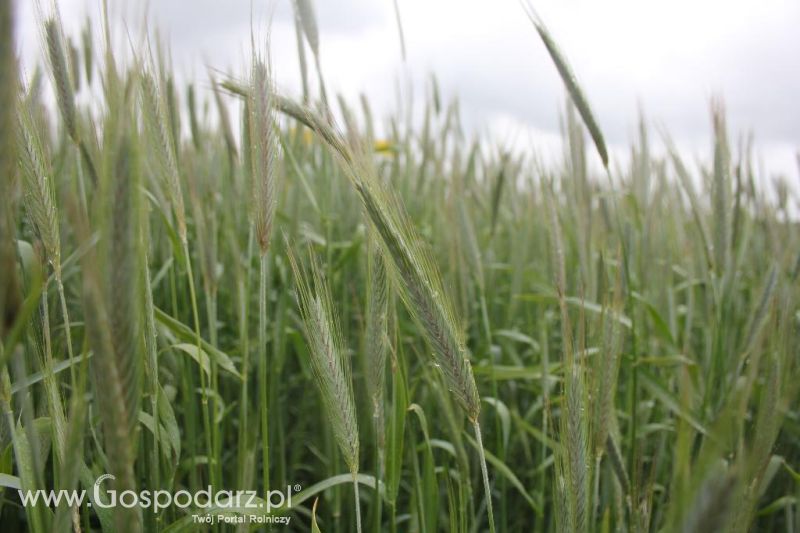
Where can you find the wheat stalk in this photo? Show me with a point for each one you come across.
(329, 363)
(41, 207)
(262, 156)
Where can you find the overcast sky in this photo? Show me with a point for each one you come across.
(667, 58)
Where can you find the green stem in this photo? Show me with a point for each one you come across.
(357, 502)
(209, 428)
(152, 355)
(378, 468)
(244, 342)
(262, 362)
(67, 328)
(477, 427)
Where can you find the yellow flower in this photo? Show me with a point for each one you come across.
(384, 147)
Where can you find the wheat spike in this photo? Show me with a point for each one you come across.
(38, 194)
(329, 361)
(570, 82)
(156, 123)
(59, 67)
(376, 322)
(263, 152)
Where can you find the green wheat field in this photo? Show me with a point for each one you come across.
(407, 331)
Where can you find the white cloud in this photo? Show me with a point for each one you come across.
(667, 57)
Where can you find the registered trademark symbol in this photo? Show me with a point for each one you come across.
(297, 488)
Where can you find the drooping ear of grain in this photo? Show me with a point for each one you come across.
(570, 82)
(416, 273)
(423, 293)
(59, 67)
(9, 287)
